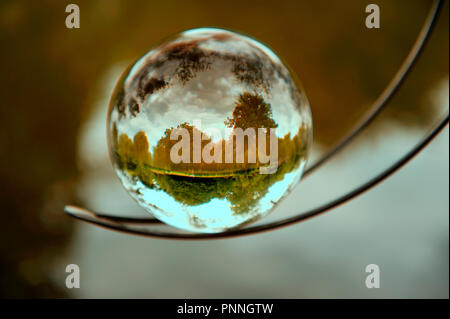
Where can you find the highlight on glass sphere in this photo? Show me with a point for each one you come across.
(208, 131)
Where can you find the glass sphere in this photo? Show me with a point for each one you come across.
(208, 131)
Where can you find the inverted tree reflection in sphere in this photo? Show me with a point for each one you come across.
(209, 83)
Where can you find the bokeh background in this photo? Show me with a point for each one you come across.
(54, 88)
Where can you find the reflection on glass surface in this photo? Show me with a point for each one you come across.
(210, 83)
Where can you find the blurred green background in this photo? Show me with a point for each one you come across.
(55, 85)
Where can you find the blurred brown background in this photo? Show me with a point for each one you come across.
(52, 79)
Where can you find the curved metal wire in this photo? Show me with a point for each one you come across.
(389, 91)
(120, 223)
(117, 223)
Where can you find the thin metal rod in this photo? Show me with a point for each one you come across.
(116, 223)
(71, 209)
(389, 91)
(75, 212)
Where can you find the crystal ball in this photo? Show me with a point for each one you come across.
(209, 130)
